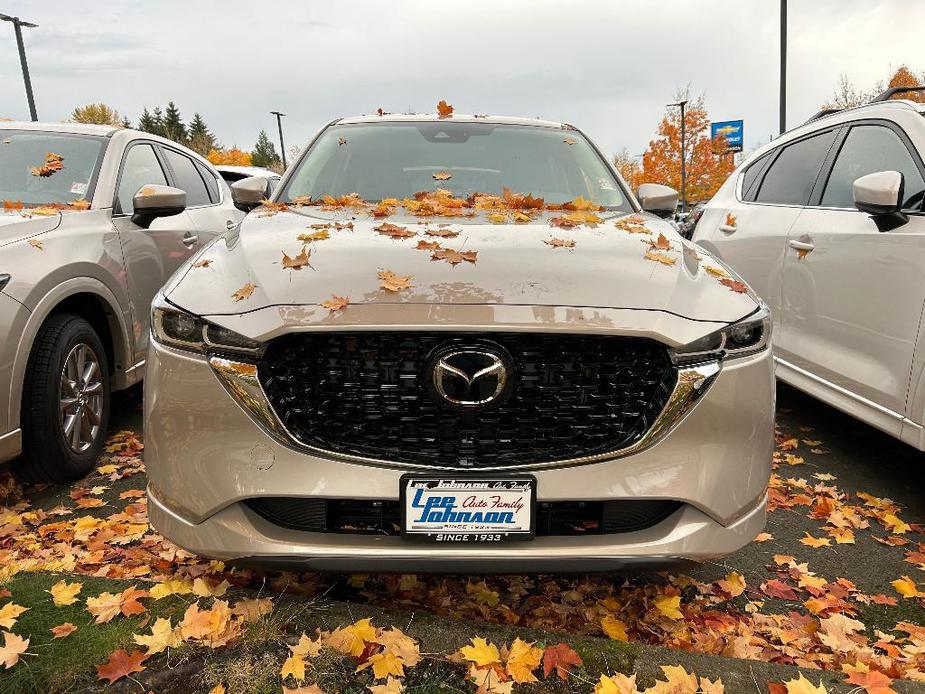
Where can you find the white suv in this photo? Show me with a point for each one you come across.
(827, 224)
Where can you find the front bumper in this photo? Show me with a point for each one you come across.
(205, 456)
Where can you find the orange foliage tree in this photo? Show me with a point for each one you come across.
(661, 163)
(230, 157)
(847, 95)
(628, 167)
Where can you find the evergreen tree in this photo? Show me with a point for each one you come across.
(174, 128)
(147, 123)
(158, 117)
(201, 139)
(126, 123)
(264, 153)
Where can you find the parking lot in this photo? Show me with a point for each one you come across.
(845, 529)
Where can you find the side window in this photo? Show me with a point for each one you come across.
(211, 182)
(187, 178)
(868, 149)
(791, 177)
(140, 168)
(751, 174)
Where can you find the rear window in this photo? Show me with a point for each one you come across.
(396, 160)
(793, 173)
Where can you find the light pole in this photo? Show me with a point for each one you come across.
(783, 66)
(683, 105)
(18, 24)
(279, 125)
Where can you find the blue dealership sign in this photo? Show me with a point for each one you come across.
(732, 130)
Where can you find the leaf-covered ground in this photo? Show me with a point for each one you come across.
(90, 595)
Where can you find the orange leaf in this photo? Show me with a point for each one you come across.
(442, 176)
(121, 664)
(872, 681)
(244, 292)
(63, 630)
(298, 262)
(53, 162)
(734, 285)
(336, 303)
(453, 257)
(560, 658)
(559, 243)
(389, 281)
(427, 245)
(394, 231)
(444, 110)
(12, 205)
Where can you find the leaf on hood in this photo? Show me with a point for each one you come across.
(661, 243)
(427, 245)
(205, 262)
(633, 224)
(559, 243)
(442, 233)
(659, 257)
(716, 271)
(121, 664)
(79, 204)
(454, 257)
(570, 141)
(320, 235)
(394, 231)
(444, 110)
(734, 285)
(391, 282)
(35, 243)
(341, 141)
(268, 208)
(297, 262)
(497, 218)
(336, 303)
(442, 176)
(244, 292)
(53, 163)
(12, 205)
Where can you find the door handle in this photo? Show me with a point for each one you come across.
(801, 245)
(189, 239)
(727, 228)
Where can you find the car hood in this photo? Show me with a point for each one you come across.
(15, 227)
(514, 265)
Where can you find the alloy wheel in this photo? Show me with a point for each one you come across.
(81, 398)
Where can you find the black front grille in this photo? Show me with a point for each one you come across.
(365, 394)
(553, 518)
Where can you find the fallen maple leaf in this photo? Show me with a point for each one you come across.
(294, 666)
(384, 665)
(336, 303)
(427, 245)
(63, 630)
(391, 282)
(522, 659)
(395, 641)
(905, 586)
(481, 653)
(872, 681)
(733, 584)
(129, 604)
(669, 606)
(734, 285)
(351, 640)
(53, 162)
(120, 664)
(661, 243)
(616, 684)
(163, 636)
(570, 141)
(764, 537)
(454, 257)
(79, 204)
(297, 262)
(444, 110)
(322, 235)
(442, 176)
(394, 231)
(716, 271)
(804, 686)
(104, 606)
(9, 613)
(12, 205)
(35, 243)
(659, 257)
(13, 647)
(64, 593)
(205, 589)
(614, 628)
(776, 588)
(391, 686)
(560, 658)
(306, 647)
(244, 292)
(174, 586)
(559, 243)
(815, 542)
(442, 233)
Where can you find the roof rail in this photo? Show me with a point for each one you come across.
(893, 91)
(821, 114)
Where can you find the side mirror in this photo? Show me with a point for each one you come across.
(248, 193)
(881, 195)
(153, 201)
(658, 199)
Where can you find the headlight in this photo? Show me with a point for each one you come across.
(176, 328)
(750, 335)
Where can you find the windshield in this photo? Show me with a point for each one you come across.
(37, 168)
(396, 160)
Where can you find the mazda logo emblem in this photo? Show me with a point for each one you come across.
(469, 377)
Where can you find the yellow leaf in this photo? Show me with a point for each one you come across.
(294, 667)
(804, 686)
(351, 640)
(895, 524)
(614, 628)
(13, 647)
(481, 652)
(218, 689)
(395, 641)
(659, 257)
(616, 684)
(9, 613)
(734, 584)
(384, 664)
(522, 660)
(104, 606)
(392, 686)
(64, 593)
(815, 542)
(669, 606)
(163, 636)
(905, 586)
(175, 586)
(679, 682)
(203, 589)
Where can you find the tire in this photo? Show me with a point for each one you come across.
(49, 453)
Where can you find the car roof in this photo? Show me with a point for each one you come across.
(455, 118)
(70, 128)
(872, 110)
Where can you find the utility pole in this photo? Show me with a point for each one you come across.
(683, 105)
(783, 66)
(279, 125)
(18, 24)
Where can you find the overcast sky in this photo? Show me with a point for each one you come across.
(608, 67)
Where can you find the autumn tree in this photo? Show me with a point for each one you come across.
(628, 167)
(264, 153)
(661, 163)
(847, 95)
(200, 138)
(229, 157)
(98, 114)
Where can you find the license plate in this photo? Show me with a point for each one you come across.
(467, 509)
